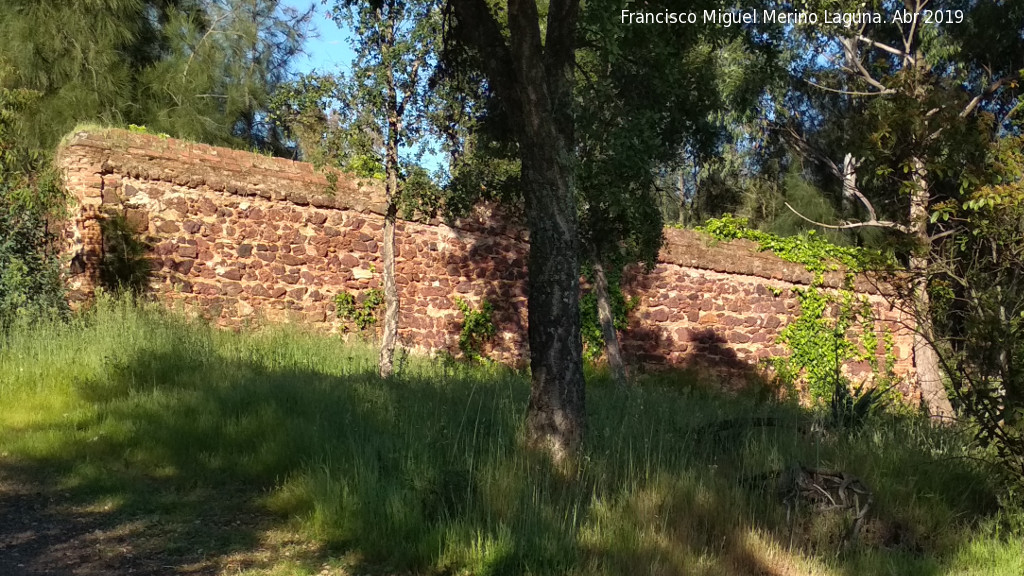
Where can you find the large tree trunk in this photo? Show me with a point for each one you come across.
(555, 418)
(607, 320)
(926, 360)
(532, 75)
(555, 415)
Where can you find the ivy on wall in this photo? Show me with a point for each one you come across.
(832, 328)
(814, 252)
(477, 329)
(362, 312)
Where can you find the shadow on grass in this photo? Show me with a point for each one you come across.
(210, 445)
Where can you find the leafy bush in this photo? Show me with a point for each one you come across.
(363, 313)
(978, 310)
(30, 283)
(477, 329)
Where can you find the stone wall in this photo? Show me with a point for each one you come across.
(244, 239)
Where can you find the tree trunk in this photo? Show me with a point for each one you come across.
(532, 74)
(390, 336)
(926, 360)
(607, 319)
(391, 167)
(555, 418)
(555, 415)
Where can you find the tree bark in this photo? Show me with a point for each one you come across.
(926, 360)
(532, 77)
(607, 320)
(391, 167)
(555, 419)
(555, 414)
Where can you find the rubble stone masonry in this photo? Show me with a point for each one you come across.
(245, 239)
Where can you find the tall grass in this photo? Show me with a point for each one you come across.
(426, 472)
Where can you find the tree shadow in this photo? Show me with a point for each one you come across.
(703, 355)
(489, 264)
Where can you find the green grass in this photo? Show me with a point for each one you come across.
(149, 416)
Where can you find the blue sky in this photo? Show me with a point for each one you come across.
(330, 49)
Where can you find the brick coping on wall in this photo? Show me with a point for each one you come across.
(244, 174)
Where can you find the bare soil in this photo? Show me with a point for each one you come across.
(45, 530)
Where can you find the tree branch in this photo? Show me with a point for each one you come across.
(885, 47)
(560, 38)
(482, 32)
(850, 187)
(852, 55)
(850, 92)
(935, 237)
(990, 90)
(851, 225)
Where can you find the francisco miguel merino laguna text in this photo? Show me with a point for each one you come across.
(728, 18)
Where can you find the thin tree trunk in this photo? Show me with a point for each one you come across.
(390, 336)
(926, 360)
(607, 319)
(391, 167)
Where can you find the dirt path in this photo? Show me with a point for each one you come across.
(46, 531)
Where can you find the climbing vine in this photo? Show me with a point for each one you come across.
(809, 249)
(363, 313)
(590, 325)
(477, 329)
(831, 328)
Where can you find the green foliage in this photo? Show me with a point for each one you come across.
(30, 279)
(590, 325)
(809, 249)
(135, 128)
(381, 123)
(125, 266)
(197, 69)
(625, 135)
(477, 329)
(817, 342)
(312, 110)
(224, 62)
(822, 339)
(364, 312)
(978, 306)
(852, 408)
(30, 199)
